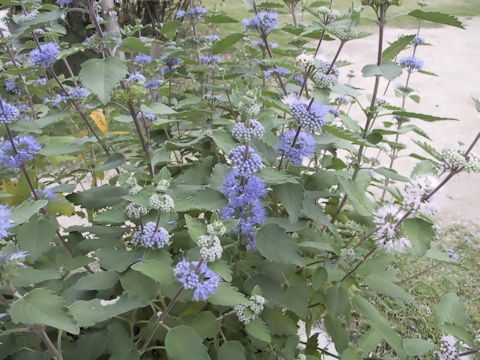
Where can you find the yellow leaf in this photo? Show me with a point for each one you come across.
(99, 118)
(120, 132)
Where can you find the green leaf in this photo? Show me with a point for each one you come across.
(169, 29)
(99, 281)
(391, 174)
(417, 347)
(157, 269)
(231, 350)
(420, 233)
(99, 197)
(57, 149)
(37, 236)
(336, 301)
(207, 199)
(275, 245)
(223, 140)
(195, 229)
(451, 310)
(183, 343)
(205, 324)
(228, 295)
(158, 109)
(396, 47)
(28, 276)
(89, 313)
(26, 210)
(220, 19)
(118, 259)
(337, 331)
(222, 269)
(477, 104)
(101, 76)
(425, 117)
(291, 195)
(379, 323)
(136, 284)
(437, 17)
(275, 177)
(350, 354)
(389, 70)
(43, 306)
(135, 45)
(259, 330)
(115, 160)
(227, 42)
(356, 196)
(380, 283)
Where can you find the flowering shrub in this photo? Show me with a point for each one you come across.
(207, 202)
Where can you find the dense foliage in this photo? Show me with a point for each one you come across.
(200, 195)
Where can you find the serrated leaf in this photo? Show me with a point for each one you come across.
(98, 197)
(99, 281)
(134, 45)
(37, 237)
(437, 17)
(101, 76)
(291, 195)
(176, 341)
(259, 330)
(227, 42)
(451, 310)
(356, 196)
(275, 245)
(158, 270)
(275, 177)
(228, 295)
(28, 276)
(231, 350)
(396, 47)
(420, 234)
(417, 347)
(158, 109)
(336, 301)
(26, 210)
(389, 70)
(43, 306)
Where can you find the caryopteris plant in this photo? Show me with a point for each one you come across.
(202, 194)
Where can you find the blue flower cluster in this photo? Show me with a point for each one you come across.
(197, 276)
(209, 60)
(244, 133)
(11, 86)
(45, 56)
(193, 13)
(26, 148)
(143, 59)
(151, 236)
(334, 112)
(342, 100)
(79, 92)
(278, 70)
(245, 161)
(5, 222)
(153, 83)
(304, 146)
(418, 40)
(136, 77)
(261, 43)
(411, 63)
(170, 64)
(266, 21)
(8, 112)
(244, 204)
(309, 117)
(63, 2)
(211, 38)
(40, 82)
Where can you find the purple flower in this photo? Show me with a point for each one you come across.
(8, 112)
(244, 203)
(193, 13)
(26, 146)
(136, 77)
(452, 254)
(212, 38)
(59, 99)
(153, 84)
(63, 2)
(261, 43)
(342, 100)
(245, 165)
(5, 222)
(263, 21)
(334, 112)
(45, 193)
(209, 60)
(40, 82)
(170, 64)
(150, 236)
(243, 133)
(197, 276)
(147, 116)
(45, 56)
(311, 117)
(10, 85)
(304, 146)
(79, 92)
(411, 63)
(418, 40)
(143, 59)
(278, 70)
